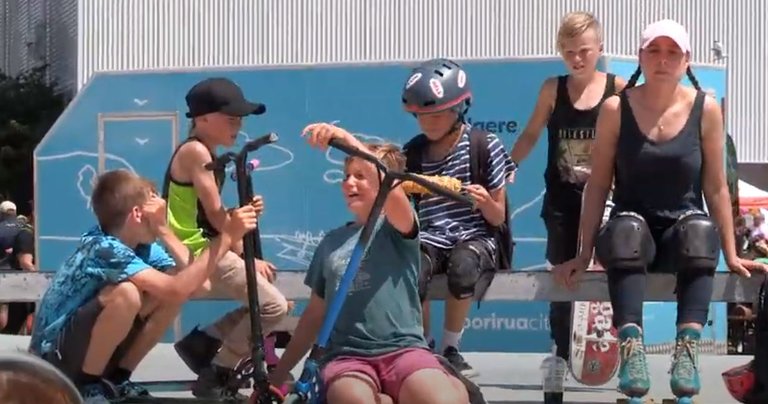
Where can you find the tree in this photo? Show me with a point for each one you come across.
(29, 105)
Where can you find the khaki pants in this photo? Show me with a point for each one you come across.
(234, 328)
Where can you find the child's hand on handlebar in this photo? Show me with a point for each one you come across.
(258, 205)
(320, 134)
(241, 221)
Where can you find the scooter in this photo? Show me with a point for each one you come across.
(253, 368)
(308, 388)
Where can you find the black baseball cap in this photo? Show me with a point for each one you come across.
(219, 94)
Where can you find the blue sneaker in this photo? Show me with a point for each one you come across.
(129, 389)
(96, 393)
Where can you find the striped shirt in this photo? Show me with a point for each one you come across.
(444, 222)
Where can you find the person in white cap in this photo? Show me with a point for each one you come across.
(7, 208)
(9, 226)
(663, 143)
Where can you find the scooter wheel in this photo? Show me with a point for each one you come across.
(273, 396)
(294, 399)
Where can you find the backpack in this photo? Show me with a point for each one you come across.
(479, 174)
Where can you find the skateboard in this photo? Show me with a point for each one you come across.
(594, 340)
(594, 343)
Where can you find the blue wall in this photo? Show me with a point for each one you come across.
(140, 116)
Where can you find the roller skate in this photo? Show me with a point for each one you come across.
(684, 380)
(634, 381)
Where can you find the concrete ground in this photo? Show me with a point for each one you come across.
(504, 377)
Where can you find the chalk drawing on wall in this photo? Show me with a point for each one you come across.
(297, 248)
(280, 157)
(86, 175)
(335, 157)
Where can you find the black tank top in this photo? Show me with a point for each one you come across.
(660, 181)
(209, 231)
(570, 135)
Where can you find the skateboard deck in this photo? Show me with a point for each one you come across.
(594, 341)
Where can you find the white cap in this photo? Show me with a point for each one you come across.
(670, 29)
(7, 206)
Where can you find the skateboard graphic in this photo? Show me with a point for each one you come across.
(594, 343)
(594, 340)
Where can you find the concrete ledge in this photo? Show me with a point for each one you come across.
(514, 286)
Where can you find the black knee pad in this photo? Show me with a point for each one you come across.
(695, 243)
(625, 242)
(464, 271)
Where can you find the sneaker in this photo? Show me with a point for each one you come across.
(634, 380)
(129, 389)
(685, 381)
(197, 350)
(458, 362)
(96, 393)
(217, 383)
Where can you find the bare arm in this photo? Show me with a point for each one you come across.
(179, 287)
(536, 122)
(601, 179)
(26, 262)
(493, 212)
(23, 248)
(180, 253)
(193, 157)
(303, 337)
(713, 181)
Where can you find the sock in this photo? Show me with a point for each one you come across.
(451, 339)
(84, 379)
(120, 376)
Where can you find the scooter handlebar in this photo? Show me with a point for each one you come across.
(432, 187)
(221, 161)
(257, 143)
(355, 152)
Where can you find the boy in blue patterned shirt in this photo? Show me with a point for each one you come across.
(114, 298)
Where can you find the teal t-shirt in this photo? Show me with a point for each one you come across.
(382, 312)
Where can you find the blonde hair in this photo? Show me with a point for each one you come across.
(575, 24)
(389, 154)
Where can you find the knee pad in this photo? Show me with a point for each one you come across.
(695, 242)
(625, 242)
(463, 271)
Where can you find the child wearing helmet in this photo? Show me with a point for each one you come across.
(455, 239)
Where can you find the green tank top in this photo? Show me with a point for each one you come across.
(186, 216)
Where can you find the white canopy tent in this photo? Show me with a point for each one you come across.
(752, 197)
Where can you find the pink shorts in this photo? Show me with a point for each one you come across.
(388, 371)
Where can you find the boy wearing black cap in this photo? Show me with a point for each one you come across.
(196, 215)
